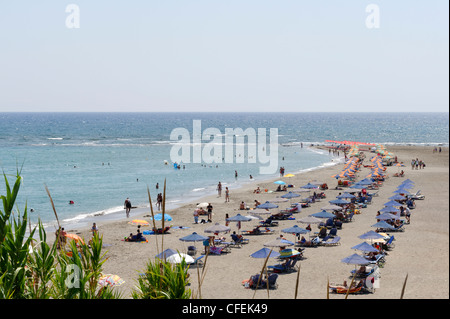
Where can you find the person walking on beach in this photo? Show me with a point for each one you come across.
(219, 189)
(127, 206)
(227, 195)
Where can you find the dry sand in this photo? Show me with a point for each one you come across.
(421, 252)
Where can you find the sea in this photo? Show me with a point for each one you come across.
(97, 160)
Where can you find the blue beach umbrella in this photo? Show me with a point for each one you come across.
(323, 214)
(364, 181)
(194, 237)
(355, 259)
(382, 224)
(309, 186)
(295, 230)
(264, 252)
(406, 186)
(392, 203)
(238, 218)
(397, 197)
(290, 195)
(389, 209)
(386, 216)
(371, 235)
(345, 195)
(267, 205)
(280, 183)
(365, 247)
(339, 201)
(402, 191)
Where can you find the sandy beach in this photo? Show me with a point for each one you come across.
(421, 251)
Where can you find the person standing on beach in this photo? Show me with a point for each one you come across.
(235, 174)
(196, 216)
(227, 195)
(219, 189)
(209, 208)
(127, 206)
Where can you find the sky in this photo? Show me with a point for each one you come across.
(233, 55)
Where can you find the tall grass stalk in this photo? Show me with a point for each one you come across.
(404, 286)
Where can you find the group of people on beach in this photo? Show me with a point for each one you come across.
(417, 164)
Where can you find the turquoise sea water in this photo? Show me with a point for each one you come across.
(99, 159)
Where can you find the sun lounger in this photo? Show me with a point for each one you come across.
(197, 261)
(215, 250)
(289, 266)
(389, 245)
(417, 195)
(335, 241)
(363, 272)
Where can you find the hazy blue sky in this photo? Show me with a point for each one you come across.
(224, 55)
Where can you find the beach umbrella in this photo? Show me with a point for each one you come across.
(365, 181)
(110, 280)
(323, 214)
(397, 197)
(405, 186)
(370, 235)
(217, 228)
(365, 247)
(345, 195)
(383, 224)
(167, 217)
(309, 220)
(355, 259)
(309, 186)
(290, 195)
(331, 207)
(339, 201)
(264, 252)
(74, 237)
(139, 222)
(387, 216)
(402, 191)
(280, 183)
(267, 205)
(239, 218)
(289, 175)
(392, 203)
(179, 257)
(194, 237)
(295, 230)
(166, 253)
(289, 252)
(389, 209)
(279, 242)
(202, 205)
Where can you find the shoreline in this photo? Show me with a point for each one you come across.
(428, 275)
(80, 223)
